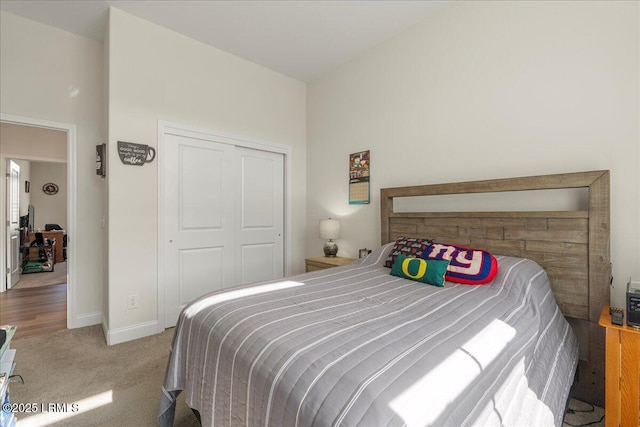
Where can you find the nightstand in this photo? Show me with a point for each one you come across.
(622, 373)
(322, 262)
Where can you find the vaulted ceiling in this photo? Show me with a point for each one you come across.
(301, 39)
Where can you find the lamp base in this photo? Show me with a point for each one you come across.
(330, 249)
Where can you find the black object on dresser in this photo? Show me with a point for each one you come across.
(633, 303)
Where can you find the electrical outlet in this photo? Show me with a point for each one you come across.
(132, 302)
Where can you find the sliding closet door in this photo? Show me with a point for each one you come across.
(260, 212)
(223, 218)
(198, 220)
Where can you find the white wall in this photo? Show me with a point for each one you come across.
(49, 208)
(156, 74)
(53, 75)
(483, 90)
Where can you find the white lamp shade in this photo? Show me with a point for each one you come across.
(329, 229)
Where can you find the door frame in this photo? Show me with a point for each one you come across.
(72, 197)
(169, 128)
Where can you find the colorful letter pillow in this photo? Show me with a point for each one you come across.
(467, 265)
(408, 246)
(422, 270)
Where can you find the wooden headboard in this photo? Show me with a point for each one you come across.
(572, 246)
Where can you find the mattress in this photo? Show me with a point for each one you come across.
(355, 346)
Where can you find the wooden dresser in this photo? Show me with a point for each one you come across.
(622, 373)
(54, 234)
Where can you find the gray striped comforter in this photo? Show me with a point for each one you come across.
(355, 346)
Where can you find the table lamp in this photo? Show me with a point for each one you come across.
(330, 229)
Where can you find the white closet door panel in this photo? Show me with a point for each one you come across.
(200, 273)
(261, 259)
(258, 184)
(201, 193)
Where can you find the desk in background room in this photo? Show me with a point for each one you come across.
(54, 234)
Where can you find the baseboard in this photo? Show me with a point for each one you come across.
(105, 329)
(88, 319)
(130, 333)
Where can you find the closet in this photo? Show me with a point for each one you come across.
(223, 216)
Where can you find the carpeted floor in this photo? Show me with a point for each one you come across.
(114, 386)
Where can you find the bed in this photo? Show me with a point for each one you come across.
(356, 346)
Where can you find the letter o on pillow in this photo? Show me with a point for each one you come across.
(421, 267)
(421, 270)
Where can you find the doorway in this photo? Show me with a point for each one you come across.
(31, 210)
(7, 153)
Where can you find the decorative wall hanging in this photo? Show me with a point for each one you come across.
(359, 189)
(50, 188)
(135, 154)
(101, 169)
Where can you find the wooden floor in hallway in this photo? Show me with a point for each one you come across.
(34, 310)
